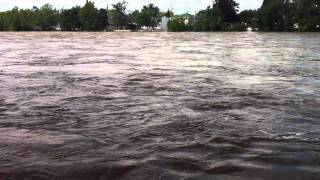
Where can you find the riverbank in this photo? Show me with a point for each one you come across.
(221, 15)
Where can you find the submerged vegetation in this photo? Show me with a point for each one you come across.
(222, 15)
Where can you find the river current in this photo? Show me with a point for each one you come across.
(159, 106)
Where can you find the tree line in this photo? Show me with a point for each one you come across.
(274, 15)
(221, 15)
(288, 15)
(86, 18)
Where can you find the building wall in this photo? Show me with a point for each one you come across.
(164, 23)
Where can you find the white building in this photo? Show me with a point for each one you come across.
(164, 23)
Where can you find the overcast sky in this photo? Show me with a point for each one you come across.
(179, 6)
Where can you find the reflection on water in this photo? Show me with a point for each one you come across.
(159, 106)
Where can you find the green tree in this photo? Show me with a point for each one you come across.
(47, 18)
(270, 15)
(89, 16)
(134, 17)
(26, 19)
(210, 19)
(149, 16)
(277, 15)
(250, 18)
(18, 20)
(308, 14)
(103, 19)
(118, 15)
(15, 20)
(229, 10)
(176, 26)
(3, 21)
(70, 19)
(168, 14)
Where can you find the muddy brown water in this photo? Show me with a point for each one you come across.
(159, 106)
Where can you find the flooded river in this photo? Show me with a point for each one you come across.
(159, 106)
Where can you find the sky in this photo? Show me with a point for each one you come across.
(178, 6)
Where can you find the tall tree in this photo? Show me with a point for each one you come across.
(19, 19)
(3, 21)
(47, 18)
(103, 19)
(308, 14)
(118, 14)
(15, 20)
(249, 18)
(134, 17)
(70, 19)
(271, 16)
(210, 19)
(229, 9)
(169, 13)
(149, 16)
(89, 16)
(277, 15)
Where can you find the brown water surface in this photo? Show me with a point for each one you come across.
(159, 106)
